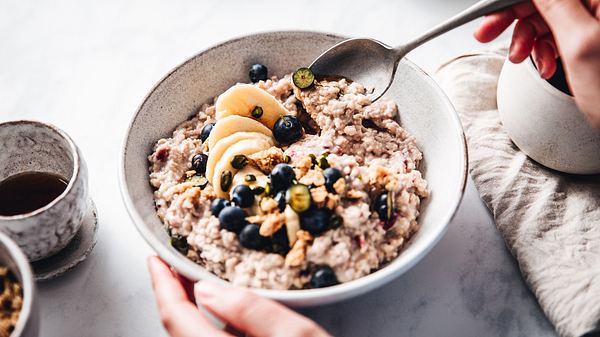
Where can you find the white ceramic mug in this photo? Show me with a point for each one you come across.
(545, 123)
(29, 146)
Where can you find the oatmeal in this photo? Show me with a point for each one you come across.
(11, 301)
(279, 187)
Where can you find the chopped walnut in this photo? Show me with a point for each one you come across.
(302, 167)
(267, 159)
(354, 194)
(304, 235)
(383, 178)
(339, 186)
(297, 254)
(256, 219)
(208, 192)
(313, 177)
(268, 205)
(190, 173)
(319, 194)
(332, 200)
(273, 222)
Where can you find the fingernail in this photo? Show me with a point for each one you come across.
(205, 289)
(541, 67)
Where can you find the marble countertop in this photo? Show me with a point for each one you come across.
(85, 66)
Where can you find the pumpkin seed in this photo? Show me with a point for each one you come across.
(198, 181)
(226, 180)
(239, 161)
(298, 197)
(257, 112)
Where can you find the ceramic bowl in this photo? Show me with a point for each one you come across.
(425, 112)
(13, 258)
(544, 122)
(35, 146)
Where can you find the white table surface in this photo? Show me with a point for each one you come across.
(85, 66)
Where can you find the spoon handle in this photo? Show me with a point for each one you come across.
(479, 9)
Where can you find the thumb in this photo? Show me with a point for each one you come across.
(564, 17)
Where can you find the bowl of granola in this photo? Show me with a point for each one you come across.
(242, 166)
(19, 316)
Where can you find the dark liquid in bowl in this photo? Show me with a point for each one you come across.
(25, 192)
(559, 79)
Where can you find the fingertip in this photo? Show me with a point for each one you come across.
(549, 68)
(206, 290)
(477, 35)
(151, 263)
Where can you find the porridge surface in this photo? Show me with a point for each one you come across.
(359, 138)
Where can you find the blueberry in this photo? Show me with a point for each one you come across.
(217, 206)
(280, 243)
(282, 177)
(383, 206)
(280, 198)
(258, 72)
(206, 131)
(332, 175)
(250, 238)
(315, 220)
(323, 276)
(242, 196)
(232, 218)
(199, 163)
(287, 130)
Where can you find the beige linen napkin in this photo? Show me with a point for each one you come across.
(550, 221)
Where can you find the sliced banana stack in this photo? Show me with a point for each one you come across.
(229, 163)
(248, 100)
(223, 144)
(245, 116)
(232, 124)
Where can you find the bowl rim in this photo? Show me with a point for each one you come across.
(74, 175)
(340, 291)
(27, 282)
(552, 90)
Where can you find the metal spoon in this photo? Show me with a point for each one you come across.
(373, 64)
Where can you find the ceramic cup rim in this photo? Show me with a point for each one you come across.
(74, 175)
(555, 92)
(22, 264)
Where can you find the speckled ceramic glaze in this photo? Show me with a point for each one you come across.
(544, 122)
(12, 257)
(35, 146)
(425, 112)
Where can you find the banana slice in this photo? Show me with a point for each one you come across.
(245, 147)
(222, 145)
(241, 99)
(240, 177)
(292, 224)
(233, 124)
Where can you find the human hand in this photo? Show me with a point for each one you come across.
(239, 308)
(547, 29)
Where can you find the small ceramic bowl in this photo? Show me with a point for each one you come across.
(34, 146)
(13, 258)
(545, 122)
(425, 112)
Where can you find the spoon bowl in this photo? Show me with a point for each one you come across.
(363, 60)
